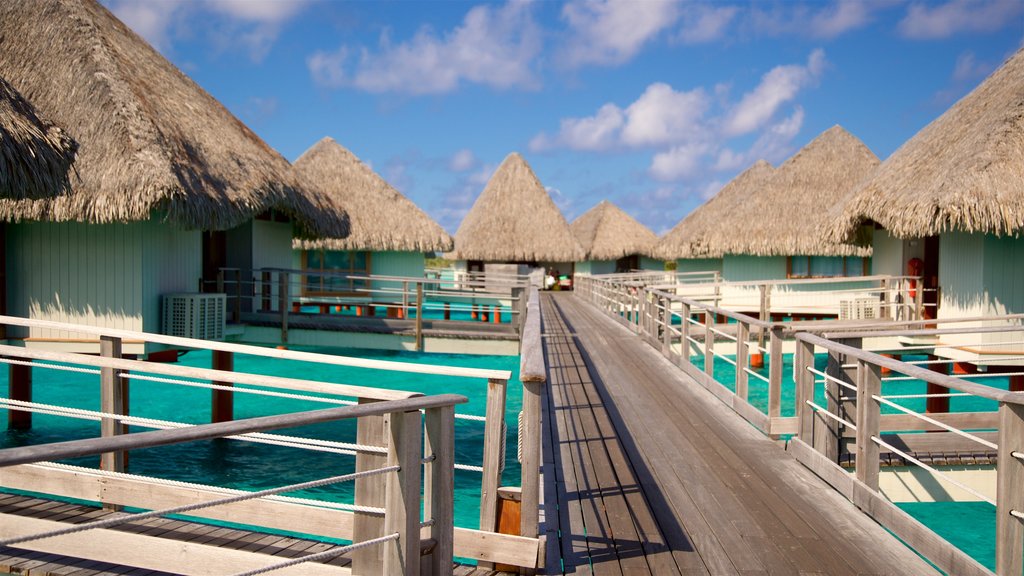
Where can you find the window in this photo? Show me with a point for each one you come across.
(825, 266)
(331, 271)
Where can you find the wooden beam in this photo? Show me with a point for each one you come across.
(222, 402)
(19, 387)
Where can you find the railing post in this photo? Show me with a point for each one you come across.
(439, 486)
(869, 410)
(285, 305)
(237, 309)
(804, 381)
(886, 299)
(684, 331)
(419, 316)
(402, 500)
(19, 387)
(742, 336)
(111, 402)
(775, 372)
(405, 299)
(370, 431)
(919, 301)
(220, 281)
(1009, 496)
(529, 519)
(222, 402)
(709, 343)
(492, 464)
(666, 327)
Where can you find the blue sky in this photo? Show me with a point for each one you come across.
(651, 104)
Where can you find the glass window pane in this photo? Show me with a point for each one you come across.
(334, 260)
(359, 261)
(314, 259)
(826, 265)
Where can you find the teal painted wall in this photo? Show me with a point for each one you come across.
(740, 267)
(699, 265)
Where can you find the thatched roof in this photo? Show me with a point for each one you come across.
(150, 139)
(514, 220)
(964, 171)
(687, 238)
(380, 217)
(605, 232)
(786, 216)
(35, 156)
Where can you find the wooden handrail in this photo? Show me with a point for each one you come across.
(92, 446)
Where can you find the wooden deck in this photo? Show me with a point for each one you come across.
(651, 474)
(277, 547)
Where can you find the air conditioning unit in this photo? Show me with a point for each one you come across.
(859, 309)
(193, 315)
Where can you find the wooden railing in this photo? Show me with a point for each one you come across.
(286, 293)
(115, 371)
(400, 541)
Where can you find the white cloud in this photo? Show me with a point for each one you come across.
(780, 85)
(706, 23)
(930, 21)
(597, 132)
(813, 19)
(966, 73)
(250, 25)
(328, 68)
(661, 116)
(494, 46)
(841, 17)
(775, 144)
(610, 32)
(462, 160)
(679, 161)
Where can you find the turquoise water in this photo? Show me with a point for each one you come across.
(253, 466)
(970, 526)
(433, 310)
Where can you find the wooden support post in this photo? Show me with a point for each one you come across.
(496, 318)
(19, 387)
(370, 430)
(266, 292)
(447, 311)
(742, 343)
(530, 463)
(237, 309)
(404, 312)
(1016, 383)
(402, 499)
(684, 329)
(492, 464)
(111, 402)
(1009, 496)
(283, 289)
(439, 485)
(828, 433)
(869, 415)
(804, 380)
(775, 372)
(222, 406)
(887, 311)
(666, 335)
(220, 281)
(709, 343)
(419, 317)
(937, 405)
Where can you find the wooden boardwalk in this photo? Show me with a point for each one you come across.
(276, 547)
(649, 473)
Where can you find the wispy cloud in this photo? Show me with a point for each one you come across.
(694, 132)
(251, 26)
(494, 46)
(462, 160)
(929, 21)
(611, 32)
(779, 86)
(706, 22)
(967, 71)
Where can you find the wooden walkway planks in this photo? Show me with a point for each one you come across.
(19, 561)
(726, 499)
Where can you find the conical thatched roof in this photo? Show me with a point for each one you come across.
(380, 217)
(514, 220)
(605, 232)
(687, 238)
(149, 138)
(964, 171)
(786, 216)
(35, 156)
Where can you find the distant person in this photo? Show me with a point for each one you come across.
(549, 280)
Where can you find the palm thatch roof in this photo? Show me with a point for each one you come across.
(380, 217)
(35, 156)
(150, 139)
(514, 220)
(686, 239)
(786, 216)
(964, 171)
(605, 232)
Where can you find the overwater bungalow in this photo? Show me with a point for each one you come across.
(685, 242)
(613, 241)
(949, 204)
(168, 187)
(514, 221)
(388, 234)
